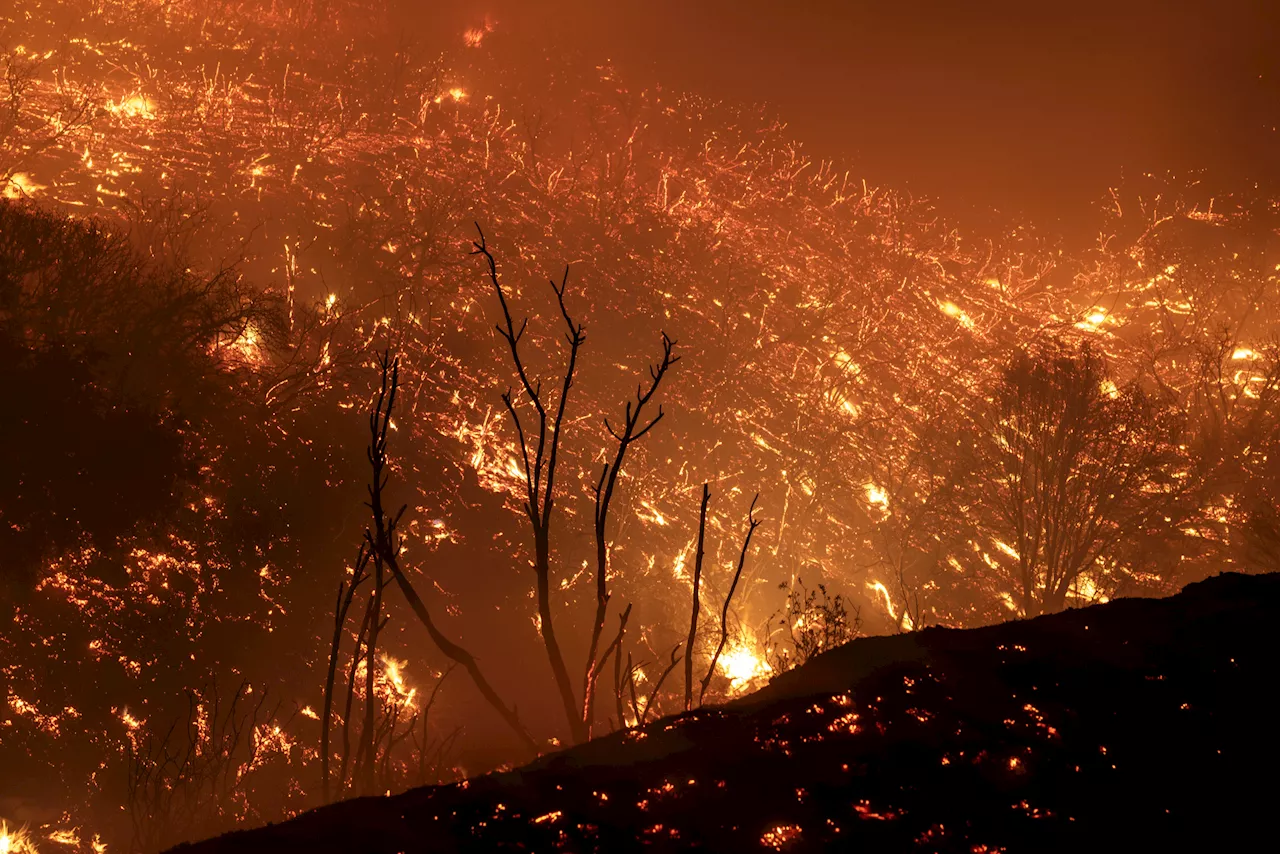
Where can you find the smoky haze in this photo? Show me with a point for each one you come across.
(1031, 108)
(218, 214)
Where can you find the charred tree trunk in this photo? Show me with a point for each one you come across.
(384, 543)
(697, 581)
(752, 524)
(539, 451)
(346, 595)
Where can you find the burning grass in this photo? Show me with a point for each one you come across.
(290, 197)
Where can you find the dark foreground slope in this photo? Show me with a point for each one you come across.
(1141, 725)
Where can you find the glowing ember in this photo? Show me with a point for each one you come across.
(780, 836)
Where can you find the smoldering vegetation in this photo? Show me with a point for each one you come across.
(221, 216)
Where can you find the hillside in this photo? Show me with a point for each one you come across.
(1141, 724)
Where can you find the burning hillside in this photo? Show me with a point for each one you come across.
(220, 214)
(1109, 728)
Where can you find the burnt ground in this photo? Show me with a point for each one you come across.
(1140, 725)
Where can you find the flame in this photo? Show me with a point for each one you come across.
(457, 93)
(393, 671)
(905, 620)
(743, 665)
(877, 496)
(1094, 320)
(246, 348)
(1007, 549)
(130, 721)
(649, 513)
(1087, 589)
(15, 841)
(133, 107)
(65, 837)
(389, 684)
(950, 309)
(20, 186)
(474, 36)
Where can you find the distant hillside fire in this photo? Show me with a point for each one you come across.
(231, 229)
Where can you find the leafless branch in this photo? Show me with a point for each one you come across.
(384, 542)
(648, 703)
(540, 467)
(697, 582)
(346, 595)
(752, 524)
(604, 491)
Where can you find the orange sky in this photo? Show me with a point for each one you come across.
(1022, 105)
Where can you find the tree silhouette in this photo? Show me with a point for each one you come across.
(539, 449)
(1074, 465)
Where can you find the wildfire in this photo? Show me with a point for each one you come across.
(876, 496)
(246, 347)
(21, 186)
(15, 840)
(744, 666)
(474, 36)
(808, 354)
(133, 107)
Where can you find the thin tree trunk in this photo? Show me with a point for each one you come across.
(693, 619)
(383, 541)
(752, 524)
(346, 595)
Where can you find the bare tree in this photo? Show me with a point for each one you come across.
(346, 595)
(539, 449)
(188, 782)
(27, 126)
(1234, 426)
(1075, 465)
(697, 583)
(353, 669)
(917, 520)
(384, 543)
(657, 686)
(631, 432)
(752, 524)
(540, 470)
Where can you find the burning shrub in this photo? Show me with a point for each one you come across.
(811, 622)
(223, 763)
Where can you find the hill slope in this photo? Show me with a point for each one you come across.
(1141, 725)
